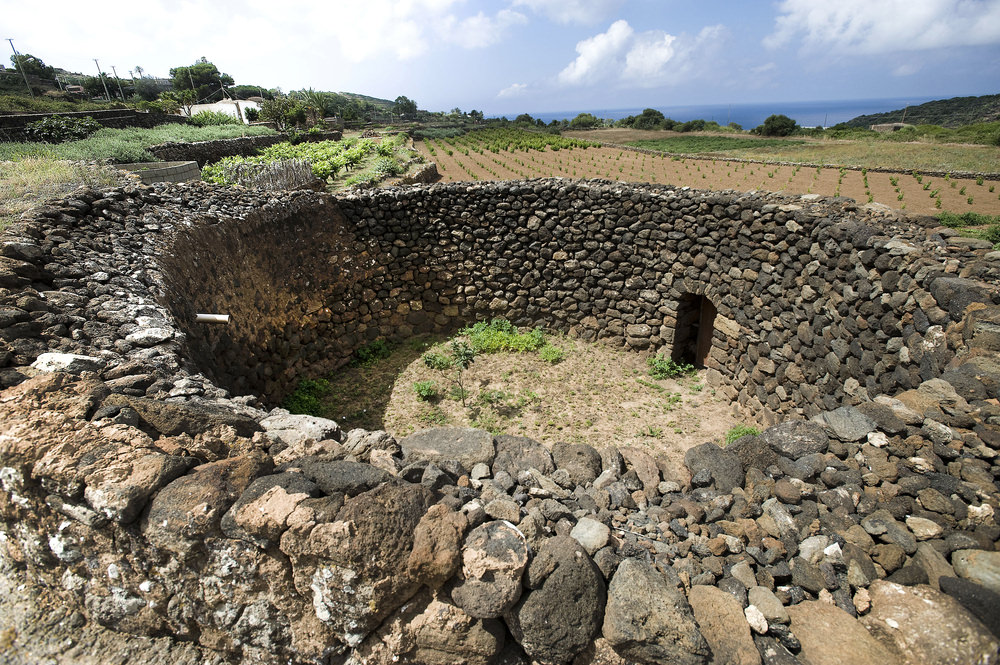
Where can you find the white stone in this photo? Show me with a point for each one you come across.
(149, 336)
(591, 534)
(756, 619)
(923, 528)
(69, 363)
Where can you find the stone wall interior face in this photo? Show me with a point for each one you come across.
(147, 483)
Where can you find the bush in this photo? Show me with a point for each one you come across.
(306, 398)
(387, 166)
(740, 431)
(252, 114)
(370, 354)
(777, 125)
(662, 367)
(426, 390)
(57, 129)
(501, 335)
(551, 354)
(212, 118)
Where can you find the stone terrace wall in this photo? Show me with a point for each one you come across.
(149, 499)
(207, 152)
(818, 305)
(12, 124)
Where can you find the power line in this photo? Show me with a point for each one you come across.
(17, 58)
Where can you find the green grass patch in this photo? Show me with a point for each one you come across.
(697, 144)
(307, 397)
(126, 145)
(739, 431)
(662, 367)
(501, 335)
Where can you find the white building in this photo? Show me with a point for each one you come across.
(234, 107)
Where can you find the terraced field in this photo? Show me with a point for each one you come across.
(513, 155)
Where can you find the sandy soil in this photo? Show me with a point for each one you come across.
(598, 395)
(630, 166)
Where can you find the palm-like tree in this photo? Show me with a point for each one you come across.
(138, 70)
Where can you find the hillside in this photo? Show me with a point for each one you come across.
(375, 101)
(954, 112)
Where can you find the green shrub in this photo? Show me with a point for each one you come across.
(460, 358)
(662, 367)
(426, 390)
(214, 118)
(386, 166)
(739, 431)
(956, 221)
(57, 129)
(777, 125)
(371, 353)
(552, 354)
(307, 397)
(252, 114)
(501, 335)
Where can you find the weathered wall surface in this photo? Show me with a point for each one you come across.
(148, 497)
(818, 305)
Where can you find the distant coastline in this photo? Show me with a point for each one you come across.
(808, 114)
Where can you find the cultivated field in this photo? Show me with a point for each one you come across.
(512, 155)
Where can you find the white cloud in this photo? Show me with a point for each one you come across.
(480, 30)
(586, 12)
(514, 90)
(869, 27)
(598, 56)
(906, 69)
(645, 59)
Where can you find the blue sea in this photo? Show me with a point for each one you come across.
(807, 114)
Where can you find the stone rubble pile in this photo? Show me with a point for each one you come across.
(155, 502)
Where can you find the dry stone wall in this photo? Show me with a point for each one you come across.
(146, 485)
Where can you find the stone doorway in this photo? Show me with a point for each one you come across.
(694, 329)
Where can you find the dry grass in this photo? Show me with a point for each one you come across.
(597, 394)
(866, 153)
(30, 181)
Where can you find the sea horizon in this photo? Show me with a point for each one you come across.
(822, 113)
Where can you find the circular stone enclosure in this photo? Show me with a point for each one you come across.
(795, 306)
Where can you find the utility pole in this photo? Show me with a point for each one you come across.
(118, 81)
(100, 74)
(17, 57)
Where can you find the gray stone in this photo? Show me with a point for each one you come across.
(725, 467)
(494, 557)
(648, 619)
(192, 417)
(979, 600)
(927, 625)
(563, 606)
(847, 423)
(466, 445)
(978, 566)
(768, 604)
(350, 478)
(312, 427)
(515, 454)
(582, 462)
(795, 438)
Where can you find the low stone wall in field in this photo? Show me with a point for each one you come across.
(207, 152)
(146, 485)
(12, 125)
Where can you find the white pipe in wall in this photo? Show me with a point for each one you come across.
(211, 318)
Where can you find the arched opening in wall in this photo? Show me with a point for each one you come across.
(694, 328)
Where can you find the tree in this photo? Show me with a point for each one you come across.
(648, 119)
(477, 116)
(32, 66)
(284, 112)
(585, 121)
(405, 105)
(524, 119)
(203, 77)
(777, 125)
(138, 71)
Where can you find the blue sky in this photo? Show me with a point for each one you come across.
(509, 56)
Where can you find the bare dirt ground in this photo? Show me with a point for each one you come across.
(598, 395)
(907, 191)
